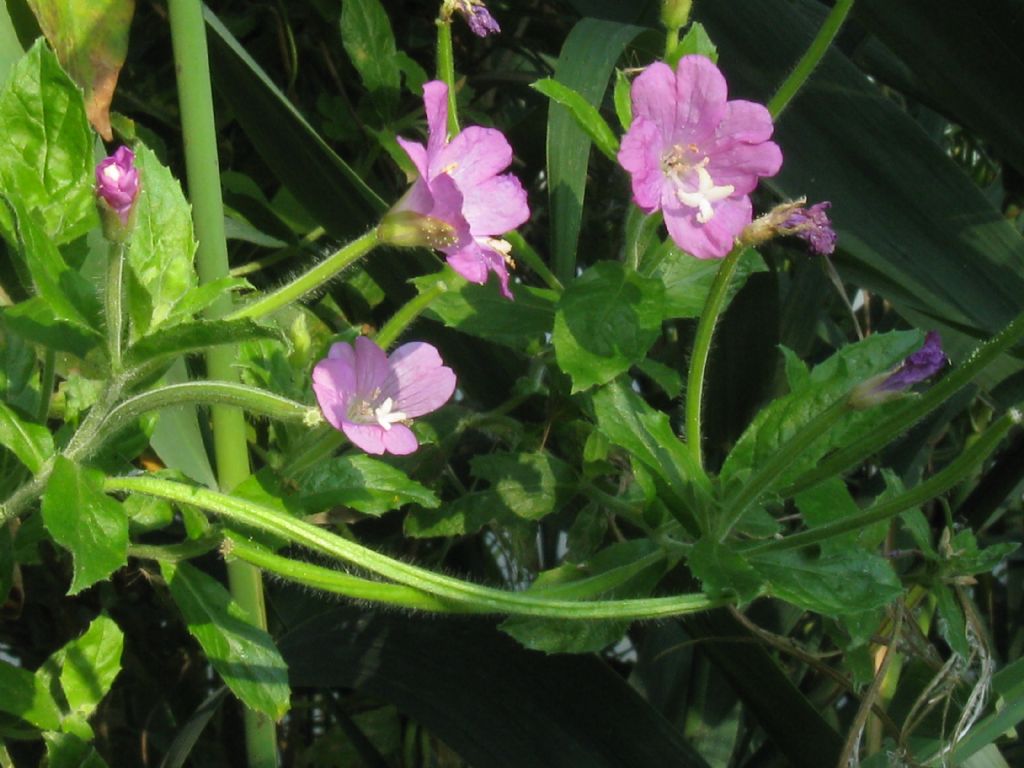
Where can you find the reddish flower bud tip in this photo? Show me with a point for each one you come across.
(117, 182)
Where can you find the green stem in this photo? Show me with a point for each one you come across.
(915, 409)
(701, 349)
(191, 58)
(782, 459)
(113, 300)
(412, 309)
(310, 280)
(446, 71)
(251, 399)
(939, 483)
(176, 553)
(472, 596)
(523, 250)
(671, 41)
(47, 378)
(810, 60)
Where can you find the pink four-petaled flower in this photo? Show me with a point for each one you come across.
(461, 183)
(371, 396)
(695, 155)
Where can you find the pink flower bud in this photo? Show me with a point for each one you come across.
(117, 182)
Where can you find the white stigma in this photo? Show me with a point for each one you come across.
(707, 192)
(386, 417)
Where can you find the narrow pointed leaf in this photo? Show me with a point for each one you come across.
(31, 443)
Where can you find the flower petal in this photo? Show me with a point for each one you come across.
(495, 206)
(435, 101)
(417, 153)
(369, 437)
(334, 382)
(743, 164)
(714, 239)
(420, 380)
(699, 99)
(371, 368)
(474, 155)
(640, 154)
(400, 440)
(742, 121)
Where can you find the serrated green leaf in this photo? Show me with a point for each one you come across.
(162, 247)
(584, 113)
(31, 443)
(829, 502)
(481, 311)
(646, 434)
(70, 296)
(91, 40)
(531, 485)
(86, 522)
(362, 483)
(243, 654)
(605, 321)
(65, 750)
(24, 695)
(194, 336)
(466, 514)
(89, 664)
(688, 280)
(46, 159)
(370, 44)
(829, 381)
(34, 320)
(723, 572)
(836, 583)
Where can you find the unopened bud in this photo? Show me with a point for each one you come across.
(918, 366)
(675, 13)
(117, 189)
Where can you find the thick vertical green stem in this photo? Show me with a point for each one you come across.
(702, 348)
(191, 59)
(446, 70)
(810, 60)
(113, 298)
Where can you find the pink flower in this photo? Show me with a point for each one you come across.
(117, 182)
(460, 183)
(695, 155)
(371, 397)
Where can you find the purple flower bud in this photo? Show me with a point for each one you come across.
(480, 21)
(813, 226)
(920, 365)
(926, 362)
(117, 182)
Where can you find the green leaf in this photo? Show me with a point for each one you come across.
(723, 572)
(695, 41)
(531, 485)
(162, 247)
(31, 443)
(177, 438)
(370, 44)
(70, 296)
(646, 434)
(202, 296)
(830, 380)
(91, 41)
(480, 310)
(89, 665)
(585, 114)
(965, 558)
(362, 483)
(46, 159)
(35, 321)
(466, 514)
(669, 380)
(836, 583)
(6, 562)
(566, 636)
(25, 695)
(86, 522)
(830, 502)
(621, 98)
(64, 750)
(606, 320)
(243, 654)
(194, 336)
(585, 65)
(688, 280)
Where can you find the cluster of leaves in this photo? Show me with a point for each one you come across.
(559, 472)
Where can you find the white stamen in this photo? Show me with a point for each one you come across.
(386, 417)
(707, 192)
